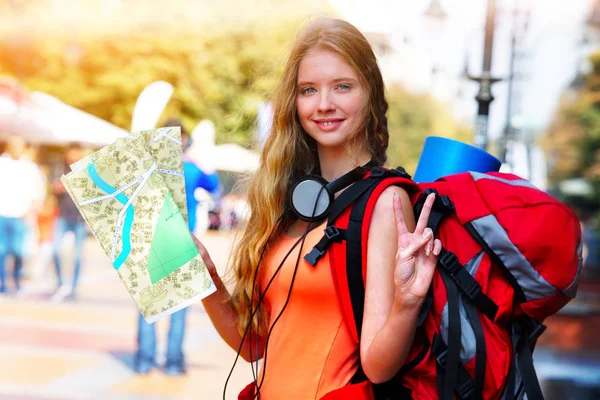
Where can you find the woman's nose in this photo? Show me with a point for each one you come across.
(325, 102)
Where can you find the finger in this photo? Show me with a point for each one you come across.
(424, 217)
(425, 273)
(437, 247)
(418, 243)
(202, 250)
(429, 245)
(210, 265)
(199, 244)
(399, 218)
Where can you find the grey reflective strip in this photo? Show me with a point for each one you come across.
(478, 175)
(473, 265)
(533, 284)
(571, 291)
(467, 335)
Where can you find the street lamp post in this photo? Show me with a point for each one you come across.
(484, 97)
(520, 26)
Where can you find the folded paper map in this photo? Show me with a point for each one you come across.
(164, 145)
(132, 195)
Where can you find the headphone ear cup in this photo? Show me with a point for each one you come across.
(310, 199)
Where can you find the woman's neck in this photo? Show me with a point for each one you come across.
(336, 162)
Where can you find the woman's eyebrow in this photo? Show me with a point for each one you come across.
(345, 79)
(336, 80)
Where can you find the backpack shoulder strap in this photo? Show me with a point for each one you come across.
(352, 290)
(354, 270)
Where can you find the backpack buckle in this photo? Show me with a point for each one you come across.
(446, 203)
(401, 172)
(465, 282)
(450, 262)
(465, 390)
(442, 358)
(428, 191)
(377, 172)
(333, 233)
(473, 289)
(314, 256)
(442, 202)
(534, 329)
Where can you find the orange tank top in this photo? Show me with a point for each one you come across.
(310, 351)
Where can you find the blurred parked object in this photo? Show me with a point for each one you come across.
(43, 119)
(150, 105)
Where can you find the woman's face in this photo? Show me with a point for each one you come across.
(330, 98)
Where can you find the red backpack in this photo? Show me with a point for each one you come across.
(511, 258)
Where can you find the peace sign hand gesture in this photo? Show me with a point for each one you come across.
(417, 255)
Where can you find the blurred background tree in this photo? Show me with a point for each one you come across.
(220, 72)
(575, 136)
(221, 77)
(411, 118)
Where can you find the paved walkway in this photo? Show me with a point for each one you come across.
(83, 348)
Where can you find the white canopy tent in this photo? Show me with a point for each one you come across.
(223, 157)
(234, 158)
(43, 119)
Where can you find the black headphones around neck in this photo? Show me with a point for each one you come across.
(314, 193)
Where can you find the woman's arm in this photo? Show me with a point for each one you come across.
(223, 315)
(399, 265)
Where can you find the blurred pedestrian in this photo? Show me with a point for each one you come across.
(22, 185)
(145, 357)
(69, 220)
(46, 220)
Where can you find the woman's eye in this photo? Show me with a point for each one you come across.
(343, 86)
(308, 90)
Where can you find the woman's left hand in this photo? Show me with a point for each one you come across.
(417, 255)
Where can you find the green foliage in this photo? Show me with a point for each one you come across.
(413, 117)
(222, 75)
(573, 140)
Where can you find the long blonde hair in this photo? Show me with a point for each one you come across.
(290, 153)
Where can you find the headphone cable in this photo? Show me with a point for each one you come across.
(255, 311)
(252, 366)
(264, 367)
(249, 325)
(261, 298)
(302, 238)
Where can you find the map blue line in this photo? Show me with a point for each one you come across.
(129, 214)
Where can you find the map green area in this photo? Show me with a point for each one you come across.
(172, 245)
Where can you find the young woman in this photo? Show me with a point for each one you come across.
(329, 118)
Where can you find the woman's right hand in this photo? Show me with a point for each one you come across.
(210, 265)
(417, 255)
